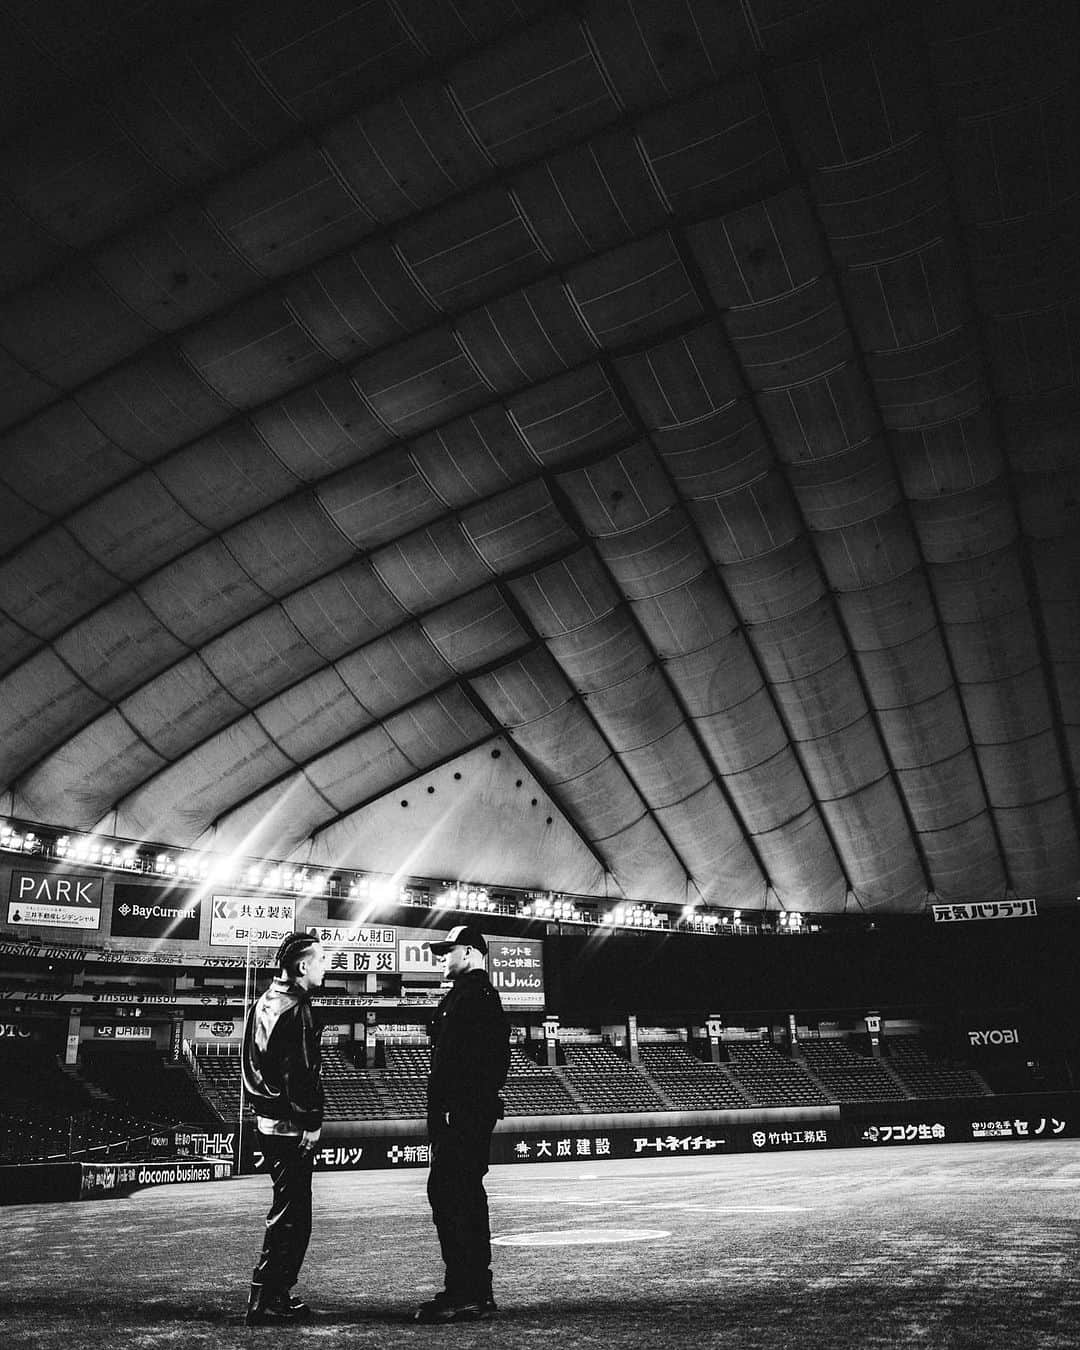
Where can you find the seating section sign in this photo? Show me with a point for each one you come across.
(52, 900)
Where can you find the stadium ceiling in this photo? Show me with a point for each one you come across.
(625, 447)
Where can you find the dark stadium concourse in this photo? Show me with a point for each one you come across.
(623, 448)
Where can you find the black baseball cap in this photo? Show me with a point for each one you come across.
(464, 935)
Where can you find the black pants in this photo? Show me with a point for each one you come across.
(459, 1159)
(288, 1224)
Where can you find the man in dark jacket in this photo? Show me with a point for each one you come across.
(469, 1060)
(281, 1072)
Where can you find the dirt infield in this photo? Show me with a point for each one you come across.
(949, 1247)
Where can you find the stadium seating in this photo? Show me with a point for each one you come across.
(351, 1093)
(143, 1085)
(219, 1077)
(601, 1080)
(926, 1076)
(688, 1083)
(768, 1078)
(48, 1113)
(596, 1078)
(846, 1075)
(533, 1090)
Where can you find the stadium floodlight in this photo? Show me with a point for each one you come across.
(383, 890)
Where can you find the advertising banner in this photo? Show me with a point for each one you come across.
(150, 912)
(352, 961)
(223, 1028)
(49, 900)
(414, 957)
(100, 1179)
(358, 937)
(243, 920)
(528, 1143)
(987, 909)
(516, 967)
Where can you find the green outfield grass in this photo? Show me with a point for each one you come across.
(950, 1247)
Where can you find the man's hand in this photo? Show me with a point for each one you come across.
(309, 1139)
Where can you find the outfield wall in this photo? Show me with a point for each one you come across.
(42, 1183)
(532, 1140)
(521, 1140)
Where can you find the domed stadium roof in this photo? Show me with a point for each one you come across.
(626, 447)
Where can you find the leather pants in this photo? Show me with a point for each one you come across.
(288, 1224)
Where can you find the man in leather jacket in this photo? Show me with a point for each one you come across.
(469, 1061)
(281, 1072)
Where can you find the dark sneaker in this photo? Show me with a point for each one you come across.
(454, 1310)
(274, 1312)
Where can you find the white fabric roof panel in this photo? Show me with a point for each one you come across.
(180, 707)
(278, 820)
(657, 51)
(521, 97)
(321, 428)
(683, 380)
(119, 647)
(714, 149)
(288, 545)
(151, 405)
(344, 609)
(591, 197)
(283, 216)
(18, 520)
(525, 336)
(643, 865)
(573, 351)
(473, 457)
(225, 476)
(801, 863)
(260, 656)
(475, 631)
(208, 780)
(69, 329)
(173, 270)
(518, 528)
(407, 153)
(570, 415)
(721, 867)
(393, 670)
(43, 702)
(51, 581)
(135, 528)
(686, 619)
(821, 416)
(315, 713)
(965, 859)
(430, 567)
(359, 300)
(201, 593)
(94, 768)
(60, 458)
(378, 500)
